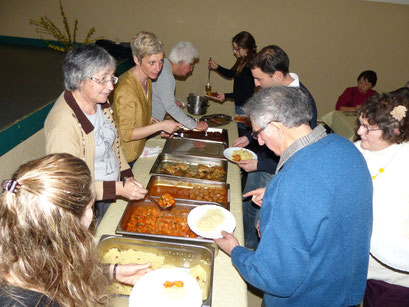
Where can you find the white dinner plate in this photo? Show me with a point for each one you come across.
(228, 225)
(150, 291)
(229, 152)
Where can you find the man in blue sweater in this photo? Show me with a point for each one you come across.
(316, 213)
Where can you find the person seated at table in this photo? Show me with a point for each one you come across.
(81, 123)
(133, 97)
(48, 255)
(270, 68)
(316, 214)
(353, 97)
(180, 63)
(384, 132)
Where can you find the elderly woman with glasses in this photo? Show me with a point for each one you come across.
(384, 132)
(81, 123)
(133, 97)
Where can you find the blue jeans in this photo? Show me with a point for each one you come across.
(255, 180)
(101, 207)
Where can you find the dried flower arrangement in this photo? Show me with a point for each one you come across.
(46, 27)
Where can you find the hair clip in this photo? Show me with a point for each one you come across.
(11, 185)
(399, 112)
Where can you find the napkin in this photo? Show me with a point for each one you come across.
(150, 152)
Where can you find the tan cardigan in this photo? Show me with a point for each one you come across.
(131, 109)
(67, 129)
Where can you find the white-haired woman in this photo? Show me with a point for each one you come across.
(133, 97)
(81, 123)
(48, 256)
(180, 63)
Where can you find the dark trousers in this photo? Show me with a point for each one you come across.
(381, 294)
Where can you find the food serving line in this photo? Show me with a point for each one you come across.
(228, 288)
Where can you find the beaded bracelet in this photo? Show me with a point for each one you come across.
(114, 271)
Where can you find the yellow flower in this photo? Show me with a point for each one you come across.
(381, 170)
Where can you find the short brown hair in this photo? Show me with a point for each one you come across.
(377, 110)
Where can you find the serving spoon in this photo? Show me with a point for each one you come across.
(154, 201)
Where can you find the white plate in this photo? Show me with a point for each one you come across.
(228, 225)
(229, 151)
(149, 290)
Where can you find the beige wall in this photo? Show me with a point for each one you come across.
(329, 42)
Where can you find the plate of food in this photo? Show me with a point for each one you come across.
(212, 94)
(209, 220)
(242, 119)
(237, 154)
(170, 287)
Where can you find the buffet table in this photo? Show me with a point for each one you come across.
(342, 123)
(229, 289)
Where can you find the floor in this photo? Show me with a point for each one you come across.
(31, 78)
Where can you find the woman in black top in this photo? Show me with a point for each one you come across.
(245, 49)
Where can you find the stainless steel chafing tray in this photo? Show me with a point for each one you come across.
(158, 185)
(165, 159)
(216, 135)
(181, 255)
(177, 209)
(201, 148)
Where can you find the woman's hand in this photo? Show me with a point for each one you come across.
(132, 189)
(228, 242)
(219, 97)
(202, 126)
(170, 126)
(212, 64)
(257, 196)
(248, 165)
(130, 273)
(242, 141)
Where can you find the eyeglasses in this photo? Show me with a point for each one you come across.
(365, 128)
(256, 133)
(113, 80)
(236, 49)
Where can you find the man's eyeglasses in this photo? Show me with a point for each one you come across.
(255, 134)
(365, 128)
(113, 80)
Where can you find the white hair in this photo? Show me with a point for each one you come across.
(183, 51)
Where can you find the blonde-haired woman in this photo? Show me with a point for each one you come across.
(133, 97)
(48, 256)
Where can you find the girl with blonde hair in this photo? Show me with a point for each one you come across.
(48, 256)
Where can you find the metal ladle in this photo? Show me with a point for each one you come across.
(154, 201)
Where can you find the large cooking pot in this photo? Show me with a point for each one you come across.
(197, 105)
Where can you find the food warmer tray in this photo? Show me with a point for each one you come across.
(186, 206)
(159, 185)
(188, 147)
(217, 135)
(180, 254)
(165, 159)
(216, 120)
